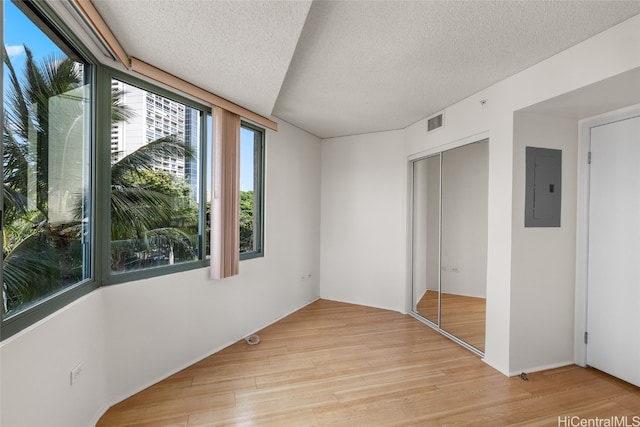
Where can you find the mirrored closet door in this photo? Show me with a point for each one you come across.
(449, 241)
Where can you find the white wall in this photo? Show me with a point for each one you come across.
(543, 258)
(131, 335)
(35, 367)
(363, 214)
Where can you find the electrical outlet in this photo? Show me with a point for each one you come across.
(75, 374)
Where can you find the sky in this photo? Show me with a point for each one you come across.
(246, 157)
(20, 31)
(246, 160)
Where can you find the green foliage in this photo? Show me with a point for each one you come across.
(247, 221)
(39, 258)
(154, 221)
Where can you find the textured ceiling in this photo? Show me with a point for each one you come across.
(239, 50)
(339, 68)
(598, 98)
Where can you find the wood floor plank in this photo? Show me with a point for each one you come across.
(340, 364)
(630, 401)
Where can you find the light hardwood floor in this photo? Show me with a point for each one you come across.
(462, 316)
(340, 364)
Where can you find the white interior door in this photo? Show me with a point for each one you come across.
(613, 309)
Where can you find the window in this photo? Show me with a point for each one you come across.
(103, 174)
(155, 181)
(46, 163)
(251, 191)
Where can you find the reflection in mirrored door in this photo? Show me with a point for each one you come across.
(463, 265)
(426, 238)
(449, 241)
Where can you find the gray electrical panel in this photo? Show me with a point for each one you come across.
(543, 188)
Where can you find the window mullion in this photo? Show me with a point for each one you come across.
(103, 176)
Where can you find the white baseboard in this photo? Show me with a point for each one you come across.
(397, 310)
(541, 368)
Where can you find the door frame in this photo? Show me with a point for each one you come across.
(582, 224)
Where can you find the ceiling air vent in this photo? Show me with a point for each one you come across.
(434, 122)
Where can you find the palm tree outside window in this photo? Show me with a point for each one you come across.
(155, 180)
(46, 166)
